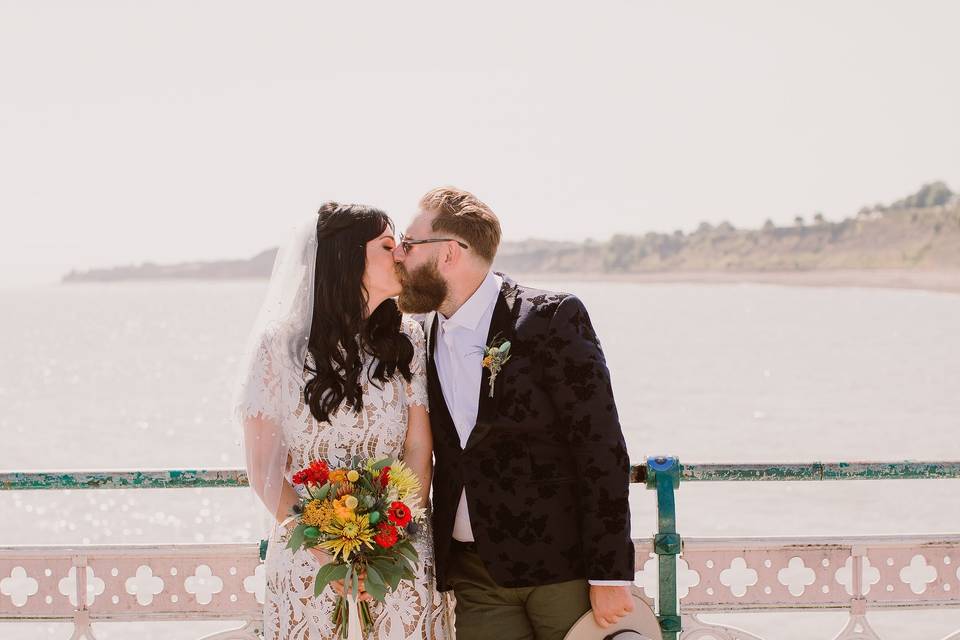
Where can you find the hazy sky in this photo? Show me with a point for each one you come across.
(170, 130)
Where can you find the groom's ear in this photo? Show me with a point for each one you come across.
(451, 254)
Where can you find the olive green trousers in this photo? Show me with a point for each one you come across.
(487, 611)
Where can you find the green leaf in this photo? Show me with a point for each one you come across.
(401, 570)
(327, 574)
(374, 584)
(394, 577)
(366, 484)
(296, 537)
(390, 570)
(386, 462)
(356, 585)
(407, 549)
(323, 491)
(505, 348)
(386, 562)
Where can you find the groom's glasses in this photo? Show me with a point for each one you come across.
(407, 244)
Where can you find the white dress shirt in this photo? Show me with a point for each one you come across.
(461, 339)
(459, 357)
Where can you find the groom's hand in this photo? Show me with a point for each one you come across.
(610, 603)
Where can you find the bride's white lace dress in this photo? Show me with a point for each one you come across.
(416, 609)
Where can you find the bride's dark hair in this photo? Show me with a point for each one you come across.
(339, 330)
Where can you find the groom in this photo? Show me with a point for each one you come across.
(531, 519)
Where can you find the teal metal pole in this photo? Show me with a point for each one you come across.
(663, 474)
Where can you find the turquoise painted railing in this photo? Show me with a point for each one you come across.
(689, 472)
(660, 473)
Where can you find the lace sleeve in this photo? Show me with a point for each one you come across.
(261, 390)
(259, 413)
(417, 387)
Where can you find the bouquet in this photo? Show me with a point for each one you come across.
(366, 515)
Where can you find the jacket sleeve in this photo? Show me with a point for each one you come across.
(579, 384)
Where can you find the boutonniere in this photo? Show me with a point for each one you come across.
(495, 355)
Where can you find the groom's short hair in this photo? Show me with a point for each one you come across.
(462, 214)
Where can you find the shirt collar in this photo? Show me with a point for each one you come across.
(472, 311)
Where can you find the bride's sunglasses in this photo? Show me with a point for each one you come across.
(407, 244)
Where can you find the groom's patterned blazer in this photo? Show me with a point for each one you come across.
(546, 467)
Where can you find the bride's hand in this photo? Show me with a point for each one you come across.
(364, 596)
(323, 558)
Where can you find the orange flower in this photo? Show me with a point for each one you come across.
(342, 508)
(338, 475)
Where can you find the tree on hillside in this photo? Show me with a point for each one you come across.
(930, 195)
(620, 252)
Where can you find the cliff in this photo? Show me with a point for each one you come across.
(921, 231)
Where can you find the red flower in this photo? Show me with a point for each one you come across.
(319, 472)
(316, 473)
(386, 535)
(384, 477)
(399, 514)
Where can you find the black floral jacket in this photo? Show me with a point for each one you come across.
(545, 468)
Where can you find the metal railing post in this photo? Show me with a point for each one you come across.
(663, 474)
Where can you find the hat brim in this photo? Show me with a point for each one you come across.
(642, 620)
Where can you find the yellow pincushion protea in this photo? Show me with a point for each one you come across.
(404, 480)
(350, 536)
(317, 513)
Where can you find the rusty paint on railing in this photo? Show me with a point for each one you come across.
(690, 472)
(111, 479)
(810, 471)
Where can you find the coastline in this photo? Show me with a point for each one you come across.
(935, 280)
(943, 281)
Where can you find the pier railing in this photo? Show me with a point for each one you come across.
(681, 577)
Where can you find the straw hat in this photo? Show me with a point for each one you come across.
(639, 624)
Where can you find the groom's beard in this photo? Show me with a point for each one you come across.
(424, 289)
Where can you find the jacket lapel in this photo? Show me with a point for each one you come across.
(502, 326)
(433, 380)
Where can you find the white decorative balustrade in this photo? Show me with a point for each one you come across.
(226, 581)
(857, 574)
(134, 582)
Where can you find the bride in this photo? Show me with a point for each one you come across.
(334, 370)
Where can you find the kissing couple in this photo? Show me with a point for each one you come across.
(496, 395)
